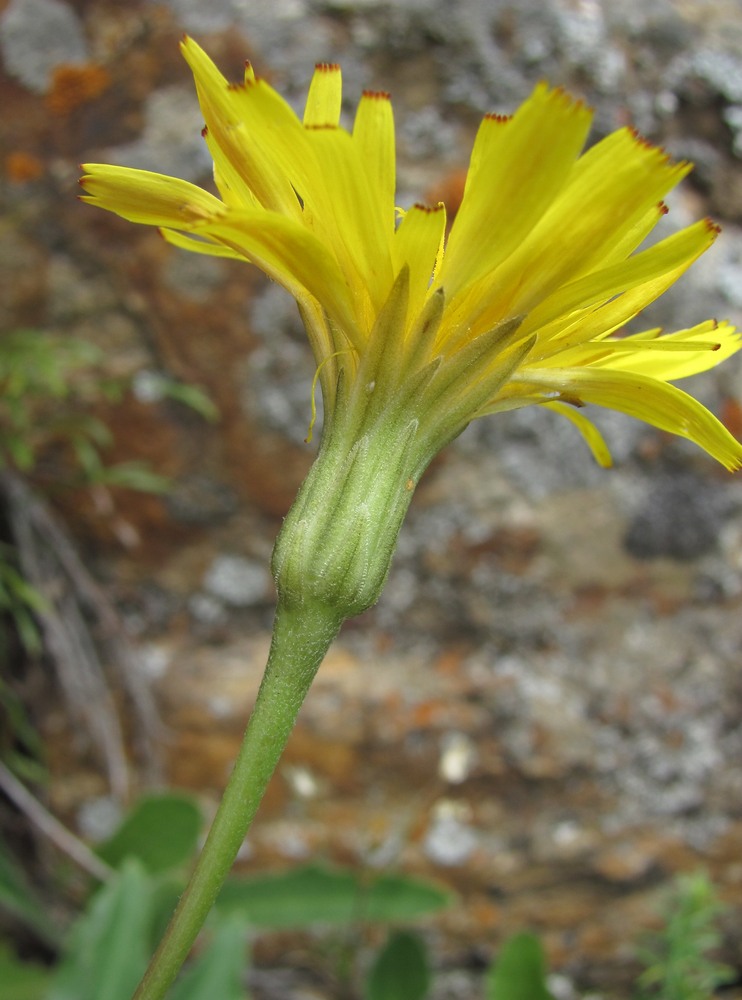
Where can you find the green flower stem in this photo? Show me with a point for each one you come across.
(301, 637)
(330, 563)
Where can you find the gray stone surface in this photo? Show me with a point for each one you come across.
(237, 581)
(38, 35)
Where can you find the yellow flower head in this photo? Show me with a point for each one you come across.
(521, 303)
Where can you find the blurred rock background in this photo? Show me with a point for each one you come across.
(543, 711)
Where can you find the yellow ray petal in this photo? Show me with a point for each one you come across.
(230, 184)
(203, 245)
(143, 196)
(674, 355)
(325, 96)
(295, 258)
(657, 403)
(610, 190)
(299, 172)
(418, 243)
(373, 134)
(653, 269)
(321, 334)
(631, 236)
(597, 323)
(255, 128)
(592, 436)
(518, 166)
(600, 215)
(353, 226)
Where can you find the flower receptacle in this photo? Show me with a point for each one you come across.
(338, 539)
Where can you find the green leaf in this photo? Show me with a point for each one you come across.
(218, 971)
(21, 454)
(520, 971)
(401, 970)
(677, 959)
(133, 476)
(17, 897)
(20, 589)
(315, 895)
(168, 890)
(88, 457)
(20, 599)
(21, 980)
(292, 899)
(20, 731)
(396, 897)
(191, 396)
(161, 832)
(28, 631)
(111, 942)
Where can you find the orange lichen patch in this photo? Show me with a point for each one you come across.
(450, 191)
(485, 913)
(450, 662)
(731, 416)
(427, 713)
(21, 167)
(73, 86)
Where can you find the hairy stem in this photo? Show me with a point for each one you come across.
(301, 637)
